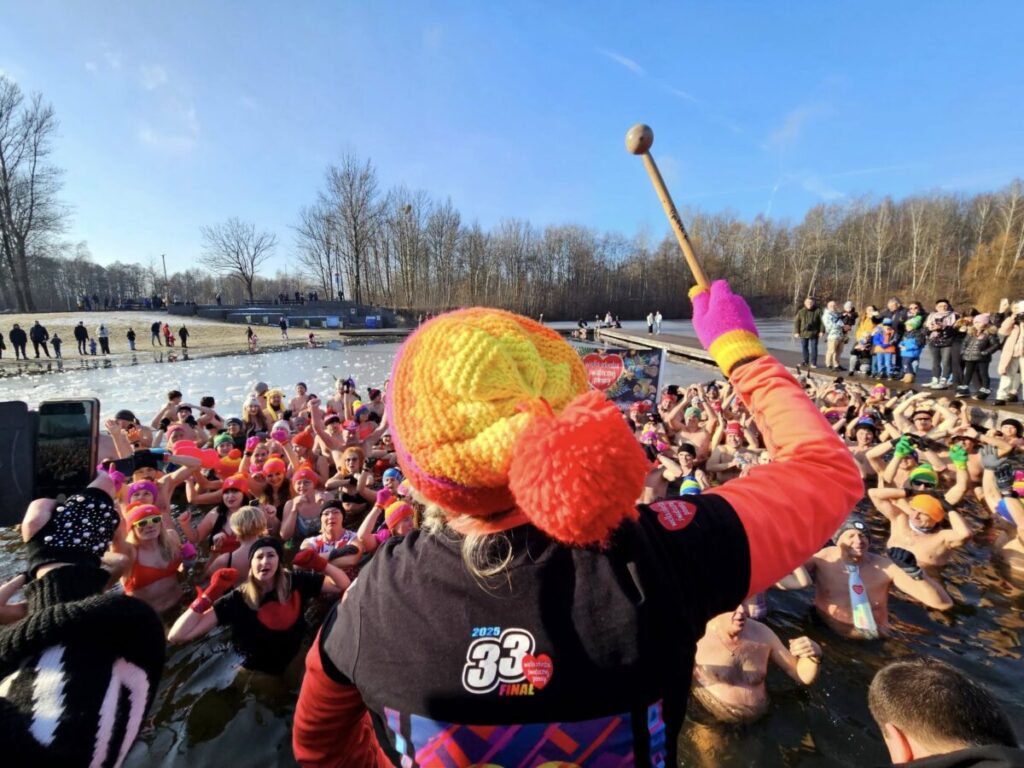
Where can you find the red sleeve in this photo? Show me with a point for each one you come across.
(332, 725)
(790, 507)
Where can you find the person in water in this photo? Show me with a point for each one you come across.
(266, 613)
(851, 584)
(732, 663)
(154, 554)
(933, 716)
(578, 612)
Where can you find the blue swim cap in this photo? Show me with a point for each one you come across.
(393, 472)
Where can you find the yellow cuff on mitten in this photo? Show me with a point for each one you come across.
(735, 347)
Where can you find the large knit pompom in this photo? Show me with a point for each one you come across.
(578, 475)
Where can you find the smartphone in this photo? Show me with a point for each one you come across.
(125, 466)
(17, 460)
(66, 445)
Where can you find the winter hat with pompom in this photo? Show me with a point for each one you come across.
(493, 422)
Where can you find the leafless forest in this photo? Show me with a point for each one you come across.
(409, 250)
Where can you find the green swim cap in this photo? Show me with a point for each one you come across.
(923, 473)
(222, 438)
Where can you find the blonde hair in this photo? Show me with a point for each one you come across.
(169, 543)
(485, 555)
(248, 522)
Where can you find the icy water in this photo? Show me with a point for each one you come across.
(207, 712)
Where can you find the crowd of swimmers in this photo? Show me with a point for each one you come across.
(278, 508)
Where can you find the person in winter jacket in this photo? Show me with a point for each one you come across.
(808, 327)
(979, 345)
(81, 336)
(18, 339)
(883, 350)
(39, 336)
(835, 336)
(939, 326)
(1010, 359)
(910, 347)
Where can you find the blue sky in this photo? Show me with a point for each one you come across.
(175, 115)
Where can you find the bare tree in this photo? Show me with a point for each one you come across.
(317, 241)
(30, 214)
(234, 248)
(352, 199)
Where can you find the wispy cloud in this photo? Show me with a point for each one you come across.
(683, 95)
(793, 125)
(874, 170)
(624, 61)
(179, 129)
(113, 59)
(816, 185)
(152, 76)
(90, 66)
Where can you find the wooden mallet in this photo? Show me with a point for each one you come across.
(639, 139)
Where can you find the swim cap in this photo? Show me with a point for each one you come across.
(692, 411)
(689, 488)
(865, 423)
(734, 428)
(854, 522)
(266, 541)
(238, 482)
(490, 413)
(689, 448)
(923, 473)
(274, 464)
(138, 512)
(396, 512)
(306, 474)
(332, 504)
(332, 419)
(304, 438)
(144, 485)
(222, 438)
(125, 415)
(931, 506)
(393, 472)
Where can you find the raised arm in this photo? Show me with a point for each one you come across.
(820, 479)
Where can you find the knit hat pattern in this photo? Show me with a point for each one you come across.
(490, 412)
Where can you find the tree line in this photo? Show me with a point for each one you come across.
(408, 250)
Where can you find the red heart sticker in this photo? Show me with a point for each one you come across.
(858, 588)
(602, 370)
(538, 669)
(674, 515)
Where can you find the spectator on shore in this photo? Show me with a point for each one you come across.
(19, 339)
(183, 335)
(104, 336)
(39, 336)
(883, 349)
(910, 347)
(154, 329)
(166, 330)
(650, 323)
(81, 336)
(807, 326)
(939, 325)
(896, 312)
(55, 342)
(834, 335)
(1010, 359)
(657, 321)
(92, 347)
(980, 344)
(931, 714)
(283, 325)
(131, 339)
(3, 346)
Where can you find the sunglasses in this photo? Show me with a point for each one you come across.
(152, 520)
(922, 484)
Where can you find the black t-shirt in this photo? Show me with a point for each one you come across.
(568, 655)
(266, 649)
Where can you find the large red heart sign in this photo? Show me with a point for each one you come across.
(602, 370)
(538, 669)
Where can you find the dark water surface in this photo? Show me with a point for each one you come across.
(207, 712)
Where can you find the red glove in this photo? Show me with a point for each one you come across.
(223, 579)
(309, 560)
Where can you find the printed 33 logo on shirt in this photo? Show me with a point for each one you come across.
(504, 660)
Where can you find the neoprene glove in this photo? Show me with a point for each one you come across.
(309, 560)
(348, 549)
(251, 443)
(725, 326)
(990, 458)
(222, 580)
(384, 497)
(904, 448)
(906, 560)
(958, 456)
